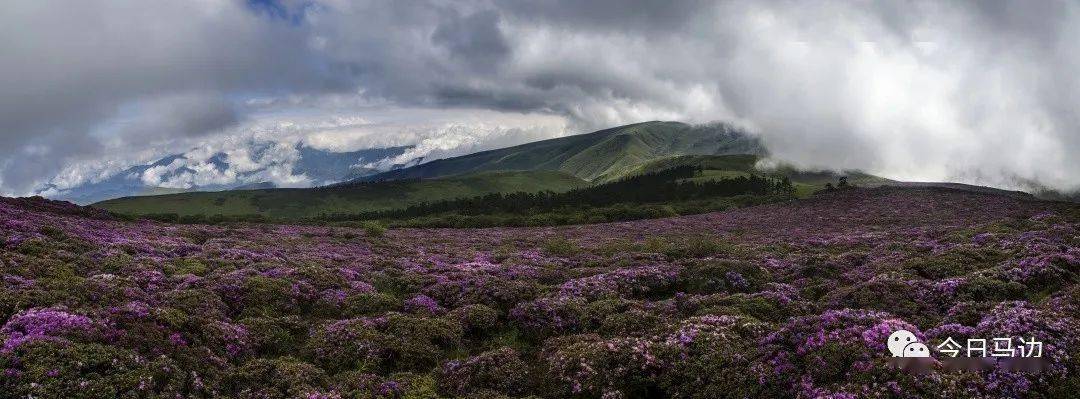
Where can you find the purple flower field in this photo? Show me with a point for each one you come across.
(792, 299)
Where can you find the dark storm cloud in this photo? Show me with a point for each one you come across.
(474, 39)
(983, 92)
(635, 16)
(178, 116)
(68, 68)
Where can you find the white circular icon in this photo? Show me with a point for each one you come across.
(899, 340)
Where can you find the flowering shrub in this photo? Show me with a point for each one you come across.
(364, 304)
(500, 292)
(705, 356)
(348, 344)
(635, 282)
(839, 352)
(394, 341)
(500, 370)
(722, 276)
(476, 320)
(44, 324)
(593, 366)
(1020, 320)
(550, 316)
(72, 370)
(783, 300)
(423, 304)
(283, 377)
(276, 335)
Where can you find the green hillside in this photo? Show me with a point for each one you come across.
(362, 197)
(551, 165)
(716, 167)
(599, 156)
(736, 162)
(290, 203)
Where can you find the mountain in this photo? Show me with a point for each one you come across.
(553, 165)
(265, 185)
(392, 194)
(557, 165)
(318, 167)
(120, 184)
(599, 156)
(325, 167)
(292, 203)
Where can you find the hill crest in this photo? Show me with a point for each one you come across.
(602, 155)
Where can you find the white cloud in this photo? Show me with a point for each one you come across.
(265, 150)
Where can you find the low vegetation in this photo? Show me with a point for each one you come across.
(791, 299)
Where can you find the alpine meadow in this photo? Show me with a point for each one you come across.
(611, 199)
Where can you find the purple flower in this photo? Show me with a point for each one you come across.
(43, 324)
(423, 304)
(177, 340)
(736, 280)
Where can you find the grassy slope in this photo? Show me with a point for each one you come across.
(598, 156)
(727, 166)
(356, 197)
(298, 203)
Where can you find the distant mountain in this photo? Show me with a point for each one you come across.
(291, 203)
(357, 197)
(324, 167)
(561, 164)
(320, 167)
(599, 156)
(256, 186)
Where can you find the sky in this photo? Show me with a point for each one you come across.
(982, 92)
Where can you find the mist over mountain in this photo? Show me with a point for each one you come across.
(180, 173)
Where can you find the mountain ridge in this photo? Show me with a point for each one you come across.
(602, 155)
(718, 151)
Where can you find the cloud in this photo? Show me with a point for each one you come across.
(201, 167)
(70, 69)
(947, 92)
(475, 40)
(434, 133)
(980, 92)
(259, 150)
(172, 117)
(975, 92)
